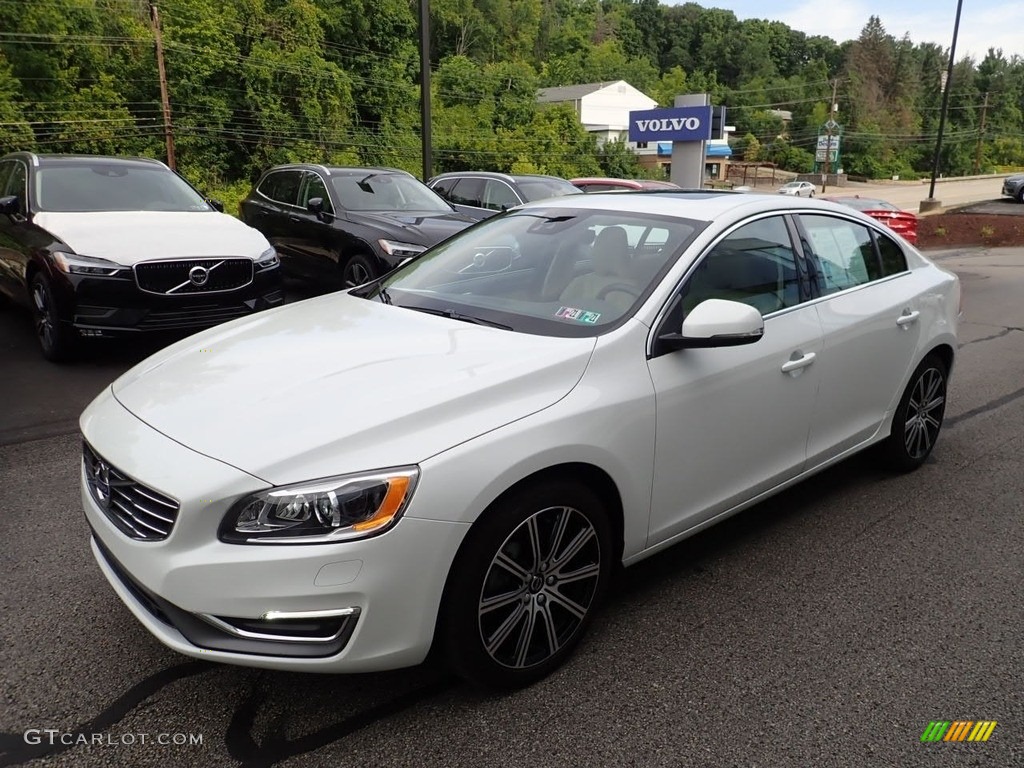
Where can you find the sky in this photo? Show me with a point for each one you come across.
(983, 23)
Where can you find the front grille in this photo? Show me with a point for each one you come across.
(192, 317)
(189, 276)
(139, 512)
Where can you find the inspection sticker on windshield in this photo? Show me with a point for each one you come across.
(571, 313)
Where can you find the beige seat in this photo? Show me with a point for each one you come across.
(611, 262)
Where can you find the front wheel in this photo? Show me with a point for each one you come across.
(918, 418)
(525, 585)
(359, 269)
(55, 339)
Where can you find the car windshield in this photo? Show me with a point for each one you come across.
(96, 186)
(549, 271)
(543, 189)
(374, 191)
(793, 185)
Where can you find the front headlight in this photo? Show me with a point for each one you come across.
(402, 250)
(73, 264)
(322, 511)
(267, 260)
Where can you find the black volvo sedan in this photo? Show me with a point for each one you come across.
(103, 246)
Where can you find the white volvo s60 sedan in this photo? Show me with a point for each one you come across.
(458, 454)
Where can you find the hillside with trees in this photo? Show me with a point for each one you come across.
(257, 82)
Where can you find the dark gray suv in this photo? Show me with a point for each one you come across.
(482, 194)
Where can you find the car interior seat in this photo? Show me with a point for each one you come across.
(611, 266)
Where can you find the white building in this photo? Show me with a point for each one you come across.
(603, 108)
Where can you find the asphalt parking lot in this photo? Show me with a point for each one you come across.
(826, 627)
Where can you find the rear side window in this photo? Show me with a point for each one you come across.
(894, 260)
(468, 192)
(844, 252)
(282, 187)
(443, 187)
(499, 196)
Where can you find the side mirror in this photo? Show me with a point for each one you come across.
(217, 205)
(717, 323)
(315, 205)
(10, 205)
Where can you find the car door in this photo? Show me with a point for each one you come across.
(15, 231)
(313, 238)
(273, 208)
(732, 422)
(869, 313)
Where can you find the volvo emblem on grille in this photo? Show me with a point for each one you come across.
(101, 482)
(198, 275)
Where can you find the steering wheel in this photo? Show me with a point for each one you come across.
(622, 287)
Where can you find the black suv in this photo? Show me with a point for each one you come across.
(105, 246)
(481, 194)
(345, 226)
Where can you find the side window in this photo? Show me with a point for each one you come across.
(756, 265)
(844, 252)
(468, 191)
(314, 187)
(5, 171)
(894, 260)
(17, 183)
(444, 188)
(498, 196)
(282, 186)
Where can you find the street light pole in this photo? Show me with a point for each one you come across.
(931, 202)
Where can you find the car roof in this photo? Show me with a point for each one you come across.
(696, 204)
(48, 159)
(338, 170)
(497, 175)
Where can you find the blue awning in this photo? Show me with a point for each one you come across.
(712, 150)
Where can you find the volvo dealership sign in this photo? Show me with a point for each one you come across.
(672, 124)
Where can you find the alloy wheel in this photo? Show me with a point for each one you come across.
(539, 587)
(925, 409)
(44, 319)
(357, 273)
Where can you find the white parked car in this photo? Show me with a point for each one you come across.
(461, 452)
(797, 189)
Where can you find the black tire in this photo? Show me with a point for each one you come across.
(358, 269)
(56, 339)
(918, 418)
(1020, 195)
(526, 584)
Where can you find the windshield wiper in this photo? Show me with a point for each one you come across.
(451, 314)
(364, 291)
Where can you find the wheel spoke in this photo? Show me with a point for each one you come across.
(502, 633)
(581, 540)
(535, 549)
(934, 403)
(511, 566)
(568, 603)
(935, 381)
(549, 629)
(525, 637)
(559, 533)
(489, 604)
(586, 572)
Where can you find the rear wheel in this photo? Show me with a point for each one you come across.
(918, 418)
(55, 338)
(359, 269)
(525, 585)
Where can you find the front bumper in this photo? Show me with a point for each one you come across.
(382, 593)
(98, 306)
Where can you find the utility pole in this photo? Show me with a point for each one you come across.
(829, 126)
(931, 203)
(428, 158)
(981, 136)
(154, 14)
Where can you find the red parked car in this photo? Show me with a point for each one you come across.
(899, 221)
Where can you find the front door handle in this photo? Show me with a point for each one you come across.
(294, 217)
(798, 363)
(907, 318)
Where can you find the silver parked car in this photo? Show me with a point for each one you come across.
(797, 189)
(1014, 187)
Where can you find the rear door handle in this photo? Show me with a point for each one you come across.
(294, 217)
(907, 318)
(798, 363)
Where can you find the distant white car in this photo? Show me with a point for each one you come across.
(797, 189)
(461, 453)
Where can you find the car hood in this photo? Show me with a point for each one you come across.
(128, 237)
(340, 384)
(418, 228)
